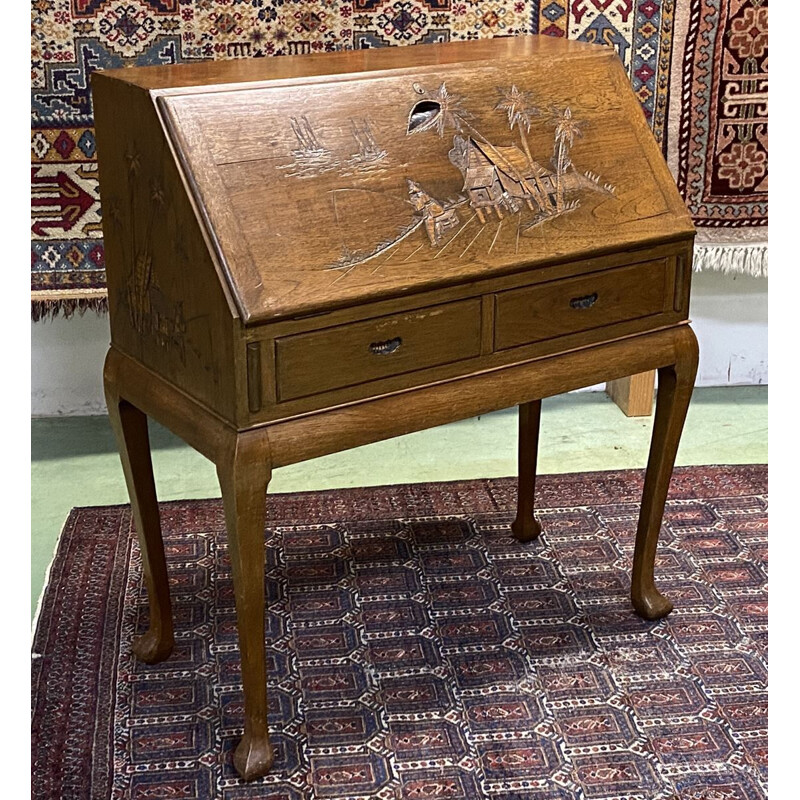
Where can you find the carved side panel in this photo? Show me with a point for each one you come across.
(168, 308)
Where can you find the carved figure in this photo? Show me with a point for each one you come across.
(436, 217)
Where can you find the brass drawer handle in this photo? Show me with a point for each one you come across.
(387, 347)
(587, 301)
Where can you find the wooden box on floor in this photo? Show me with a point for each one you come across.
(311, 253)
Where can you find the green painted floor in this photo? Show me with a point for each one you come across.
(74, 460)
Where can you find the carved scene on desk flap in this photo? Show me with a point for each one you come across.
(504, 194)
(312, 158)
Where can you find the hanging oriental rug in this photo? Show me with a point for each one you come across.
(717, 121)
(416, 650)
(699, 68)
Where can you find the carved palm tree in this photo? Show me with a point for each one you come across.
(567, 130)
(519, 109)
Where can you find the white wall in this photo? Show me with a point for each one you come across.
(67, 365)
(729, 315)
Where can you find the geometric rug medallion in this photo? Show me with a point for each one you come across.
(416, 650)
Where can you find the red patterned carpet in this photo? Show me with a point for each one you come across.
(417, 651)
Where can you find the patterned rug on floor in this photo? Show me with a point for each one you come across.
(416, 650)
(712, 51)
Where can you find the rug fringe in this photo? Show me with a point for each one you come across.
(43, 310)
(745, 259)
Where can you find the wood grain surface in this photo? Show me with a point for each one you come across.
(314, 194)
(310, 363)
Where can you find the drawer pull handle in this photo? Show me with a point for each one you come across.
(584, 302)
(387, 347)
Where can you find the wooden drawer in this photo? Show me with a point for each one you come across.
(558, 308)
(345, 355)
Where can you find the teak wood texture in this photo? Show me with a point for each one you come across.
(634, 393)
(307, 254)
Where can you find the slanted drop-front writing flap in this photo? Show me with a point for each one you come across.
(329, 193)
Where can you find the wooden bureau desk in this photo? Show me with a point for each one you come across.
(307, 254)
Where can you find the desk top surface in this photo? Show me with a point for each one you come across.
(328, 181)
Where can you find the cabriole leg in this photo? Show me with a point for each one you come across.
(244, 472)
(525, 527)
(675, 384)
(130, 428)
